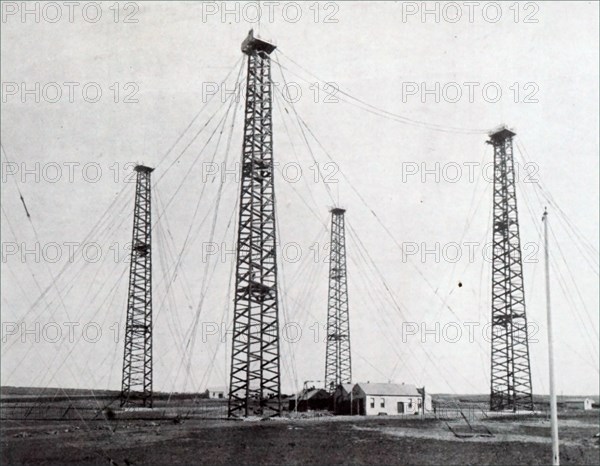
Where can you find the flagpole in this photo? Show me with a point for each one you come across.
(553, 413)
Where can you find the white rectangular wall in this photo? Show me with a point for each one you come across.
(411, 405)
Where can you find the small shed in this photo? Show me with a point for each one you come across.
(342, 399)
(312, 399)
(217, 393)
(580, 403)
(386, 398)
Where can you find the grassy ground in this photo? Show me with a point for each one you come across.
(326, 440)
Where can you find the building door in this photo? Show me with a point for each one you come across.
(400, 407)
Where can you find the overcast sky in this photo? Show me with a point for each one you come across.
(416, 178)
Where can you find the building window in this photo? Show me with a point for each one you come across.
(382, 402)
(410, 404)
(372, 400)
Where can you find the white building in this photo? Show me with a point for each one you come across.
(582, 403)
(217, 393)
(372, 399)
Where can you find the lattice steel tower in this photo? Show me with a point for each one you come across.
(137, 361)
(338, 362)
(255, 375)
(511, 373)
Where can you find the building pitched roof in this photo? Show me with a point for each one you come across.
(316, 393)
(391, 389)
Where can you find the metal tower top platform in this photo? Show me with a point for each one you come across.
(143, 168)
(500, 133)
(252, 44)
(337, 210)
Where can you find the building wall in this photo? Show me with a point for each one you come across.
(341, 401)
(428, 403)
(579, 404)
(588, 404)
(411, 405)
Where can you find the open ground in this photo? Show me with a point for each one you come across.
(308, 440)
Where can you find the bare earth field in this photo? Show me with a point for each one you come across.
(323, 440)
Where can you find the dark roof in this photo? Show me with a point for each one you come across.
(313, 393)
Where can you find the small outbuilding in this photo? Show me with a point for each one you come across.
(311, 399)
(217, 393)
(342, 399)
(580, 403)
